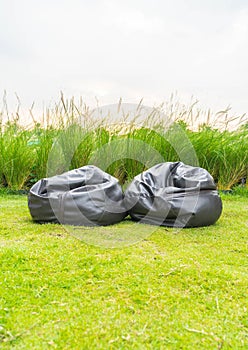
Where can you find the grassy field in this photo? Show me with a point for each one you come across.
(182, 289)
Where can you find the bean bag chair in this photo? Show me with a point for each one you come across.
(174, 195)
(84, 196)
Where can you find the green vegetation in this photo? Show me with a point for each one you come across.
(71, 137)
(177, 289)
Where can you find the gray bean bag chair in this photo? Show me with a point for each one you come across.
(174, 195)
(84, 196)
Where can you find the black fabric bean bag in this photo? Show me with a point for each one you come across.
(174, 195)
(84, 196)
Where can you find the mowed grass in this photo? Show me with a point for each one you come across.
(177, 289)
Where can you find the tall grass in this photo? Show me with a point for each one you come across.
(17, 157)
(223, 154)
(70, 136)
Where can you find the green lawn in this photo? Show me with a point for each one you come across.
(177, 289)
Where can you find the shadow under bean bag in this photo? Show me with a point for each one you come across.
(84, 196)
(174, 195)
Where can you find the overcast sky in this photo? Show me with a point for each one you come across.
(128, 48)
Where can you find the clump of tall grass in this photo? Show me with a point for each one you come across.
(17, 157)
(42, 139)
(70, 135)
(223, 154)
(232, 159)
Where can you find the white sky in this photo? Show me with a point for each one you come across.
(128, 48)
